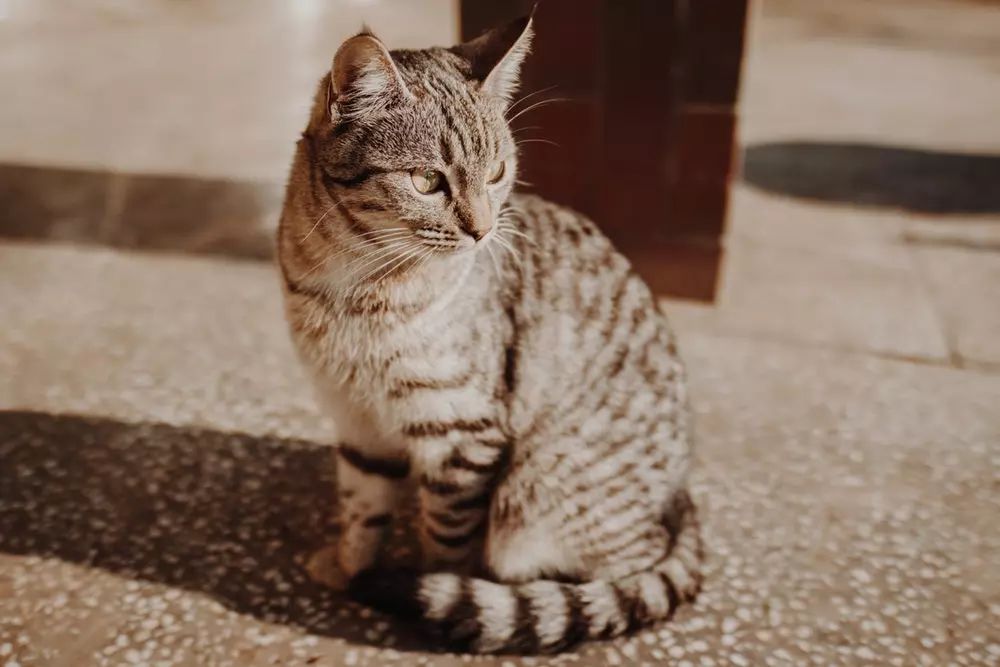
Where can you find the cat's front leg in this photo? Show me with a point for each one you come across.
(370, 470)
(368, 487)
(456, 465)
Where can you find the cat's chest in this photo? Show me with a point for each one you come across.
(370, 357)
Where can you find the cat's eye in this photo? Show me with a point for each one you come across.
(497, 172)
(426, 181)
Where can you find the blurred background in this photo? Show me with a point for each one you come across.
(812, 187)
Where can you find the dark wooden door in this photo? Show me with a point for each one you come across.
(645, 132)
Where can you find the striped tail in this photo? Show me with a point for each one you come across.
(538, 616)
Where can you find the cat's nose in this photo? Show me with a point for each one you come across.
(478, 219)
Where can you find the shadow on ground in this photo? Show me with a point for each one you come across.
(922, 181)
(159, 212)
(225, 514)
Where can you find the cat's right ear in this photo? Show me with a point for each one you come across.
(495, 57)
(363, 79)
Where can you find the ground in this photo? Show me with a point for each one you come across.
(163, 469)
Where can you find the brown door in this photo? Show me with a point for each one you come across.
(640, 131)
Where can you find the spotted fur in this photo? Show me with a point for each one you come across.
(493, 346)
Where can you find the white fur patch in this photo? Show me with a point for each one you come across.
(527, 553)
(651, 589)
(678, 574)
(602, 607)
(439, 593)
(497, 613)
(549, 607)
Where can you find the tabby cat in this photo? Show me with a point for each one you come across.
(492, 346)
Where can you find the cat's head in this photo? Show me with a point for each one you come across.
(413, 147)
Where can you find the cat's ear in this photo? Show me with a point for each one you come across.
(495, 57)
(363, 79)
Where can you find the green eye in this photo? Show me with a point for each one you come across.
(426, 181)
(497, 172)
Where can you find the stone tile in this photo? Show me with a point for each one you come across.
(211, 89)
(971, 232)
(902, 73)
(137, 338)
(965, 285)
(792, 224)
(155, 411)
(866, 299)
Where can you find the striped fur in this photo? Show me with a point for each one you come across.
(540, 616)
(495, 348)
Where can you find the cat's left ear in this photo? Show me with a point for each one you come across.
(495, 57)
(363, 79)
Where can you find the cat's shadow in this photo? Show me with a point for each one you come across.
(229, 515)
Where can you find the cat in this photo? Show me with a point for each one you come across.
(492, 346)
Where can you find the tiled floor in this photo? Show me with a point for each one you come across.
(162, 466)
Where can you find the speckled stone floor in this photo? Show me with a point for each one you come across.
(849, 501)
(164, 471)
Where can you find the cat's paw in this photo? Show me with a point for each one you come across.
(323, 567)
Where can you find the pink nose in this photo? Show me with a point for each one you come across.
(477, 219)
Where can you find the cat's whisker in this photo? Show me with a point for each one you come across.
(514, 213)
(360, 283)
(389, 234)
(321, 219)
(376, 242)
(422, 260)
(320, 263)
(385, 238)
(537, 105)
(363, 262)
(331, 256)
(501, 231)
(511, 207)
(524, 183)
(508, 227)
(509, 219)
(538, 141)
(406, 251)
(326, 260)
(379, 233)
(382, 252)
(380, 241)
(378, 257)
(541, 91)
(361, 248)
(409, 254)
(526, 128)
(493, 260)
(510, 248)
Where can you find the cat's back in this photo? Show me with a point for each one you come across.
(570, 267)
(563, 238)
(588, 324)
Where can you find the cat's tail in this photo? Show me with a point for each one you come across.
(539, 616)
